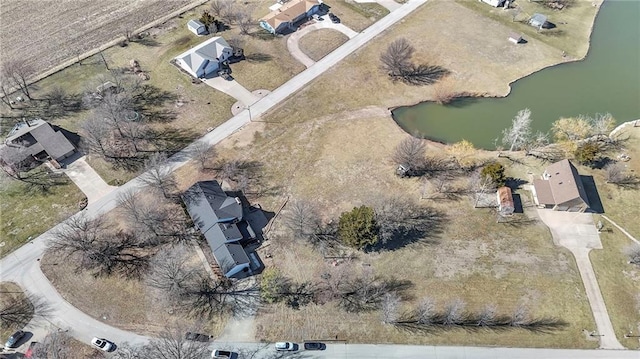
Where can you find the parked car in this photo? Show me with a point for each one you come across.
(13, 340)
(198, 337)
(314, 346)
(223, 354)
(334, 18)
(286, 346)
(103, 344)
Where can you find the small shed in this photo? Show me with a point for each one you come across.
(515, 38)
(538, 20)
(505, 201)
(197, 27)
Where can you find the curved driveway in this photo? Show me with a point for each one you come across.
(294, 39)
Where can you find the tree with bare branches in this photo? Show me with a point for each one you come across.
(397, 57)
(18, 310)
(633, 252)
(302, 218)
(519, 134)
(410, 153)
(159, 175)
(454, 312)
(390, 308)
(172, 344)
(245, 22)
(18, 73)
(56, 345)
(203, 154)
(169, 270)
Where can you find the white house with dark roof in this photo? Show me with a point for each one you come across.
(220, 220)
(561, 188)
(205, 59)
(34, 141)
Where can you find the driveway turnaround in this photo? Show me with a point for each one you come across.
(88, 180)
(293, 40)
(577, 233)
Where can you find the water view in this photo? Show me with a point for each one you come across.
(608, 80)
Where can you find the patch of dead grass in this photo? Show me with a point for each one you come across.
(318, 44)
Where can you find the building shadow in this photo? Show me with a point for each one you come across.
(517, 203)
(595, 204)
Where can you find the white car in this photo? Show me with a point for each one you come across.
(103, 344)
(286, 346)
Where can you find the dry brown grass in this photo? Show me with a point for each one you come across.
(318, 44)
(128, 304)
(356, 16)
(341, 161)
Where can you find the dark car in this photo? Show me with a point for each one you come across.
(334, 18)
(198, 337)
(314, 346)
(13, 340)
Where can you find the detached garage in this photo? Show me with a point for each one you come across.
(197, 27)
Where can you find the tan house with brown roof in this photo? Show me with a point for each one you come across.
(561, 188)
(284, 18)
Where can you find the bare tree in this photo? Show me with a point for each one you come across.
(454, 313)
(615, 172)
(390, 308)
(400, 219)
(520, 316)
(170, 271)
(18, 72)
(98, 248)
(410, 153)
(172, 344)
(220, 7)
(426, 311)
(488, 316)
(302, 218)
(480, 185)
(397, 58)
(206, 297)
(519, 134)
(203, 154)
(245, 22)
(159, 175)
(5, 88)
(602, 124)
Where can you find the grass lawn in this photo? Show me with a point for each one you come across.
(474, 259)
(573, 24)
(27, 213)
(10, 291)
(357, 16)
(318, 44)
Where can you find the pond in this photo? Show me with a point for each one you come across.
(608, 80)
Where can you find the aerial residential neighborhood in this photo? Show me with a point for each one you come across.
(195, 179)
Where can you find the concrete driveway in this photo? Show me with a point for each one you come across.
(233, 89)
(576, 232)
(88, 180)
(294, 39)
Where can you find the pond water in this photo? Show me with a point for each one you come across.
(608, 80)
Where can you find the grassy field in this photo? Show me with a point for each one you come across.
(573, 24)
(27, 213)
(318, 44)
(474, 258)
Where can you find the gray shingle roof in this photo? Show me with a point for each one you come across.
(25, 141)
(215, 214)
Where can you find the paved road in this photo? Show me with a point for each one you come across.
(577, 233)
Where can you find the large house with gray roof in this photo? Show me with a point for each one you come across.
(561, 188)
(32, 142)
(205, 59)
(220, 220)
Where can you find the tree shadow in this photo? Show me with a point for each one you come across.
(258, 57)
(423, 228)
(172, 140)
(515, 183)
(420, 75)
(147, 41)
(149, 99)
